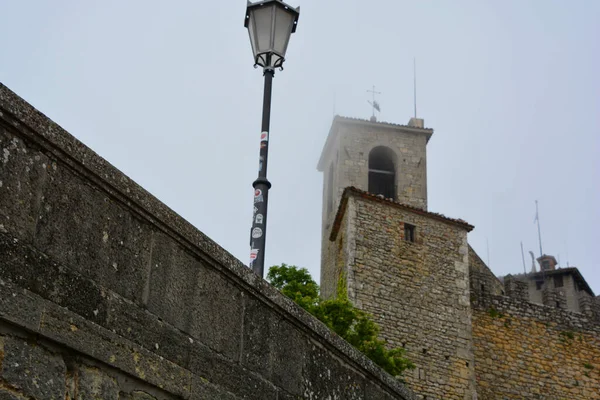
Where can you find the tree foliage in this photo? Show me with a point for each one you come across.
(352, 324)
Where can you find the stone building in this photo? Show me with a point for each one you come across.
(414, 271)
(555, 287)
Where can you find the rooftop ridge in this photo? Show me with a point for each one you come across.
(351, 190)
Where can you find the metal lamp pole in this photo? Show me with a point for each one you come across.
(270, 24)
(261, 185)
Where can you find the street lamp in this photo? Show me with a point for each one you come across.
(270, 24)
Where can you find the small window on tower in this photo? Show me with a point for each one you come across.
(545, 265)
(558, 281)
(539, 284)
(409, 233)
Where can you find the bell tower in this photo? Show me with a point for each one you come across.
(404, 265)
(377, 157)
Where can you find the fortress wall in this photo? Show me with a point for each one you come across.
(482, 279)
(106, 292)
(530, 351)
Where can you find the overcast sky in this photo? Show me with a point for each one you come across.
(166, 92)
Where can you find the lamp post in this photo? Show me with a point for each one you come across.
(270, 24)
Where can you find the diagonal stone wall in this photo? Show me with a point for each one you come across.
(107, 293)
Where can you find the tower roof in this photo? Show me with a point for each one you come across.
(339, 120)
(349, 191)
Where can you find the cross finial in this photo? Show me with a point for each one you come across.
(374, 104)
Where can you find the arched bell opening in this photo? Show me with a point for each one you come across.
(382, 172)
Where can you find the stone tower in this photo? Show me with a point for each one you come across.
(378, 157)
(404, 265)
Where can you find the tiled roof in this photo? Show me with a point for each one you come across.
(351, 190)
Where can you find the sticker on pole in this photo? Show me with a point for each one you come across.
(259, 219)
(256, 233)
(253, 255)
(258, 196)
(264, 137)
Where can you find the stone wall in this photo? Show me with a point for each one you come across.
(482, 279)
(514, 288)
(417, 292)
(530, 351)
(107, 293)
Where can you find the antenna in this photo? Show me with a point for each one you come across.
(415, 83)
(523, 257)
(487, 244)
(567, 246)
(334, 103)
(537, 219)
(374, 104)
(532, 262)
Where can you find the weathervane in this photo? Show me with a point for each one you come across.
(374, 103)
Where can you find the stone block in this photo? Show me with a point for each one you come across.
(23, 172)
(222, 372)
(260, 330)
(374, 392)
(8, 394)
(289, 351)
(147, 330)
(202, 389)
(19, 306)
(174, 274)
(326, 376)
(88, 338)
(34, 271)
(94, 384)
(35, 371)
(137, 395)
(195, 298)
(85, 229)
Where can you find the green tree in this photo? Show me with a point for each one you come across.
(352, 324)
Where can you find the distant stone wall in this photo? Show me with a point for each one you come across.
(515, 288)
(107, 293)
(482, 279)
(526, 350)
(417, 292)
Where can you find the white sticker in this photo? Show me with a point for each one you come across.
(264, 137)
(253, 255)
(256, 233)
(259, 219)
